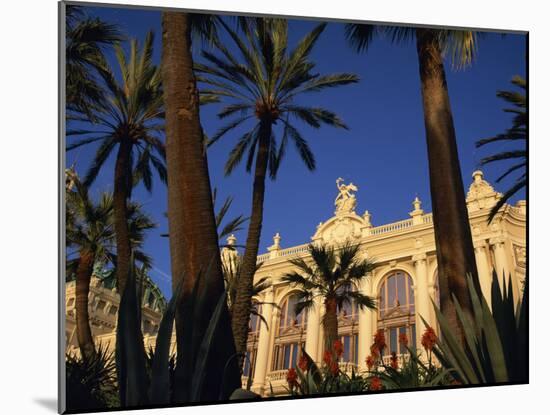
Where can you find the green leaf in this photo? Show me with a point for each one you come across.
(160, 376)
(199, 372)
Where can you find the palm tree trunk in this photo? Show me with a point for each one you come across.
(194, 250)
(121, 194)
(330, 323)
(455, 252)
(243, 299)
(83, 330)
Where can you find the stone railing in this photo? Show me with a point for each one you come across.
(277, 375)
(294, 250)
(263, 257)
(392, 227)
(377, 230)
(347, 367)
(387, 359)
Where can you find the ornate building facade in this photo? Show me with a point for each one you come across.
(103, 305)
(403, 283)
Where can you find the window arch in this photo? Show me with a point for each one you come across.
(396, 311)
(290, 335)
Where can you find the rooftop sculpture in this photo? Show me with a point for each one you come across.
(345, 202)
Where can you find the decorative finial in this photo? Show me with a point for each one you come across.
(231, 240)
(366, 217)
(477, 176)
(277, 240)
(417, 212)
(417, 203)
(276, 244)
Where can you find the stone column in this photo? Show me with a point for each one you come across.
(366, 331)
(313, 327)
(485, 277)
(501, 263)
(260, 369)
(422, 303)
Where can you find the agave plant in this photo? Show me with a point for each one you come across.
(91, 383)
(495, 343)
(148, 379)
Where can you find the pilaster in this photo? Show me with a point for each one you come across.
(422, 301)
(485, 277)
(262, 356)
(366, 331)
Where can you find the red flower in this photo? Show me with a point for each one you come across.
(292, 377)
(393, 360)
(380, 340)
(429, 338)
(327, 357)
(403, 339)
(303, 363)
(374, 351)
(369, 361)
(338, 347)
(375, 384)
(334, 369)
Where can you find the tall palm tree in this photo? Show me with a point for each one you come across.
(130, 121)
(517, 133)
(455, 251)
(86, 38)
(332, 274)
(90, 232)
(261, 87)
(194, 251)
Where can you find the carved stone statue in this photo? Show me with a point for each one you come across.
(345, 202)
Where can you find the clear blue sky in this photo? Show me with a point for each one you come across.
(383, 153)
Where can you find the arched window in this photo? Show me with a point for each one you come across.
(348, 315)
(252, 342)
(290, 335)
(396, 311)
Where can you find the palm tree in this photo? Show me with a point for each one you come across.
(518, 131)
(333, 274)
(129, 120)
(261, 86)
(455, 251)
(194, 250)
(86, 38)
(90, 231)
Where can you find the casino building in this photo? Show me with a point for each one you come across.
(403, 282)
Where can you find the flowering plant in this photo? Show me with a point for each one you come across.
(406, 371)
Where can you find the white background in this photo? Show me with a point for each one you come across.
(28, 230)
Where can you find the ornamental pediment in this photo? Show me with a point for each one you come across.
(340, 228)
(481, 195)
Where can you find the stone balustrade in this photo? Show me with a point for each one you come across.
(277, 375)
